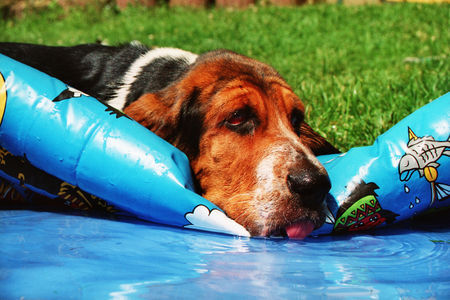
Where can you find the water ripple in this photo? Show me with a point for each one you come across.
(46, 253)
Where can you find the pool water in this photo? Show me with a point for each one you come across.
(45, 255)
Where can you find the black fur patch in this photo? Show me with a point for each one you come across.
(189, 128)
(157, 75)
(92, 68)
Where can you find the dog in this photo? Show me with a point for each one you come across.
(238, 121)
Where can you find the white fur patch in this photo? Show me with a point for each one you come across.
(136, 67)
(269, 185)
(265, 172)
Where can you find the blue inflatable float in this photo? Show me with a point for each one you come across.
(59, 144)
(404, 173)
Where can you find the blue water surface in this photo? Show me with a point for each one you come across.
(46, 255)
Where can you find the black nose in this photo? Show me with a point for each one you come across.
(310, 184)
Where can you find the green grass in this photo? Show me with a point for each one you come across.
(359, 69)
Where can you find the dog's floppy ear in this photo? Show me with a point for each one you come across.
(149, 111)
(318, 144)
(174, 114)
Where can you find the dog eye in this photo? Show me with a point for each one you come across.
(237, 118)
(242, 121)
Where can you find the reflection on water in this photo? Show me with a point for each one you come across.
(48, 255)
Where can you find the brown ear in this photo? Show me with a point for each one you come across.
(150, 112)
(318, 144)
(174, 114)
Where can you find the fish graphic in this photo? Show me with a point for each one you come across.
(422, 155)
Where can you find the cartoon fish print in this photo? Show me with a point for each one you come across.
(421, 155)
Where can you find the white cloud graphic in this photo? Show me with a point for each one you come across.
(215, 220)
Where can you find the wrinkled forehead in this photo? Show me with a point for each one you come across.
(272, 94)
(230, 81)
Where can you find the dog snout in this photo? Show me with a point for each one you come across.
(310, 184)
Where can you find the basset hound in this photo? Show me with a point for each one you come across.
(238, 121)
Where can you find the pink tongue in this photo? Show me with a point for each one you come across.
(299, 230)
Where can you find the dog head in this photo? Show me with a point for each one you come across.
(242, 128)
